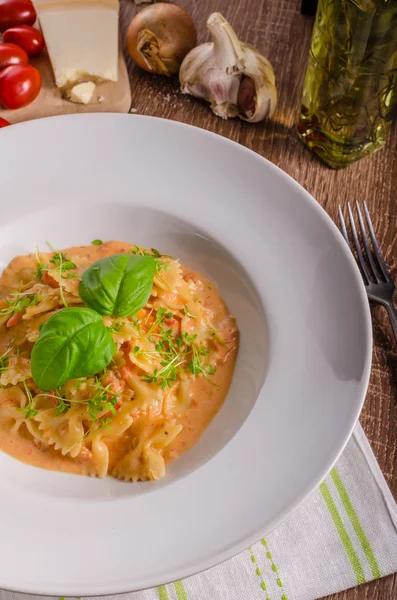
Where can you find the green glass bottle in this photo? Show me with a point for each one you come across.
(350, 88)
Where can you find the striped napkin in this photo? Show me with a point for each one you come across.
(343, 535)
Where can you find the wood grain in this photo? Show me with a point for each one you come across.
(278, 29)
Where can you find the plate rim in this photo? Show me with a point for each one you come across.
(218, 558)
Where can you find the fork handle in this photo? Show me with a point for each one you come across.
(393, 318)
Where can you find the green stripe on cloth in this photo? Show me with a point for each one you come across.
(163, 594)
(344, 536)
(274, 569)
(258, 572)
(180, 590)
(355, 521)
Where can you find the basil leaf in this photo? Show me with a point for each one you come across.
(118, 285)
(72, 343)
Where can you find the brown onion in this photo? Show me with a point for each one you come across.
(159, 37)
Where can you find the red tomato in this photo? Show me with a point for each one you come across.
(49, 280)
(11, 54)
(14, 319)
(16, 12)
(27, 37)
(4, 123)
(19, 86)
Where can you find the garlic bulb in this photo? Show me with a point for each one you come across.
(232, 76)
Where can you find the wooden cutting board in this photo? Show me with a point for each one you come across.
(116, 96)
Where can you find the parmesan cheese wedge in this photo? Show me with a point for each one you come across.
(82, 39)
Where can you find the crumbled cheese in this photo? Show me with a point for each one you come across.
(82, 93)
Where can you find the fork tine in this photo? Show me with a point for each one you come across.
(343, 226)
(364, 269)
(375, 245)
(365, 242)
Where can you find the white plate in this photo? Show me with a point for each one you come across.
(302, 370)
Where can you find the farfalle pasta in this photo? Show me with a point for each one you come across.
(170, 369)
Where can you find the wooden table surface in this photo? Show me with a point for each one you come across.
(281, 33)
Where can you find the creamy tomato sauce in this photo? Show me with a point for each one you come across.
(207, 396)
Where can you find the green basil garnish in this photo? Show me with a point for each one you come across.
(118, 285)
(73, 343)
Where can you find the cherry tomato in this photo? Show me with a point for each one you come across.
(14, 319)
(49, 280)
(19, 86)
(4, 123)
(27, 37)
(11, 54)
(16, 12)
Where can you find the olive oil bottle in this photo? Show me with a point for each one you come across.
(350, 89)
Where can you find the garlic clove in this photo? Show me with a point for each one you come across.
(196, 61)
(232, 76)
(223, 93)
(246, 99)
(261, 73)
(228, 51)
(214, 87)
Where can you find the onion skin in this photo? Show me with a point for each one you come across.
(159, 37)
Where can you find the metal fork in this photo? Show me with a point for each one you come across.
(378, 283)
